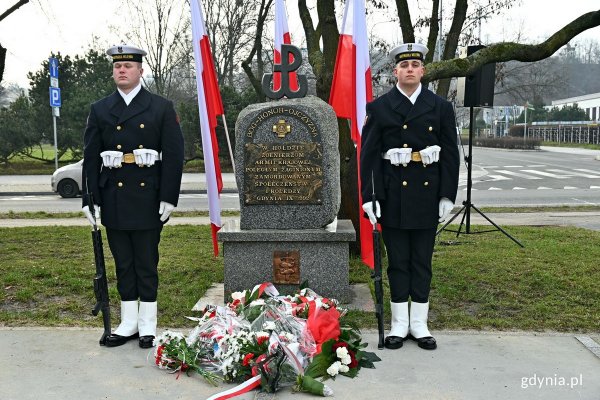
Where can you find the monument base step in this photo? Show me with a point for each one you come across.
(361, 298)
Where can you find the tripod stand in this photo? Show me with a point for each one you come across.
(467, 205)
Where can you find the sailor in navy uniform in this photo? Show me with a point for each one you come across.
(409, 152)
(133, 163)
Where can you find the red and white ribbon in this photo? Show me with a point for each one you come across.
(245, 387)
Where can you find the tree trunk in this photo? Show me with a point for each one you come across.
(460, 14)
(408, 31)
(2, 61)
(434, 31)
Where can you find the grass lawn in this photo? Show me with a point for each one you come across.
(480, 281)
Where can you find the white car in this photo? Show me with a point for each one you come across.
(67, 180)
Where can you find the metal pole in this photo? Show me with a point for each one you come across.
(469, 168)
(228, 142)
(525, 131)
(55, 141)
(441, 32)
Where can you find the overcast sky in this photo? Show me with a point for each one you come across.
(35, 30)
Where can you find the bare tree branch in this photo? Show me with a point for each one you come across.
(255, 80)
(14, 8)
(512, 51)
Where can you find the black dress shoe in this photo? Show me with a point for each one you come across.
(146, 341)
(114, 340)
(393, 342)
(426, 342)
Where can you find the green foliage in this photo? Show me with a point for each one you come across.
(16, 133)
(566, 113)
(83, 80)
(233, 103)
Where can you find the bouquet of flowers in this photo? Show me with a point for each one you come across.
(173, 353)
(263, 339)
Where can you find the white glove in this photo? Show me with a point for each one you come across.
(430, 155)
(112, 159)
(145, 157)
(399, 155)
(88, 213)
(444, 208)
(368, 208)
(165, 209)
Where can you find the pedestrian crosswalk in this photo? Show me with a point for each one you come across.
(525, 177)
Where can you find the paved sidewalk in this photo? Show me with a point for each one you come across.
(59, 363)
(582, 219)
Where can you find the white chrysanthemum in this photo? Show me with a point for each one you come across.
(346, 360)
(344, 368)
(334, 369)
(238, 295)
(258, 302)
(341, 352)
(269, 326)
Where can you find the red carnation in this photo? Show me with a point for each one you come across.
(247, 358)
(261, 339)
(159, 351)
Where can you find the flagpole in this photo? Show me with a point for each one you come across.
(228, 142)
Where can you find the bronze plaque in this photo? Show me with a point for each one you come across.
(283, 173)
(286, 267)
(283, 158)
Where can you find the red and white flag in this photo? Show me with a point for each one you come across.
(350, 91)
(282, 36)
(209, 105)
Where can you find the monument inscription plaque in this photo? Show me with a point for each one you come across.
(290, 173)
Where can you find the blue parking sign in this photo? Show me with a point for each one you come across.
(53, 66)
(55, 97)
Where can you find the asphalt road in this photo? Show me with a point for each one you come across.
(500, 178)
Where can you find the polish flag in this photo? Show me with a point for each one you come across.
(350, 91)
(282, 36)
(209, 105)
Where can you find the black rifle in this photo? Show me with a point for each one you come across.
(100, 283)
(376, 274)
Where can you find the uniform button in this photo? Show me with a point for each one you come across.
(426, 183)
(120, 184)
(141, 146)
(430, 128)
(142, 184)
(141, 126)
(118, 147)
(119, 127)
(404, 183)
(404, 126)
(404, 145)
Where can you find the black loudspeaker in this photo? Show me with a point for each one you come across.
(479, 87)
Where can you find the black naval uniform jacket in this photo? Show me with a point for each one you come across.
(129, 196)
(409, 196)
